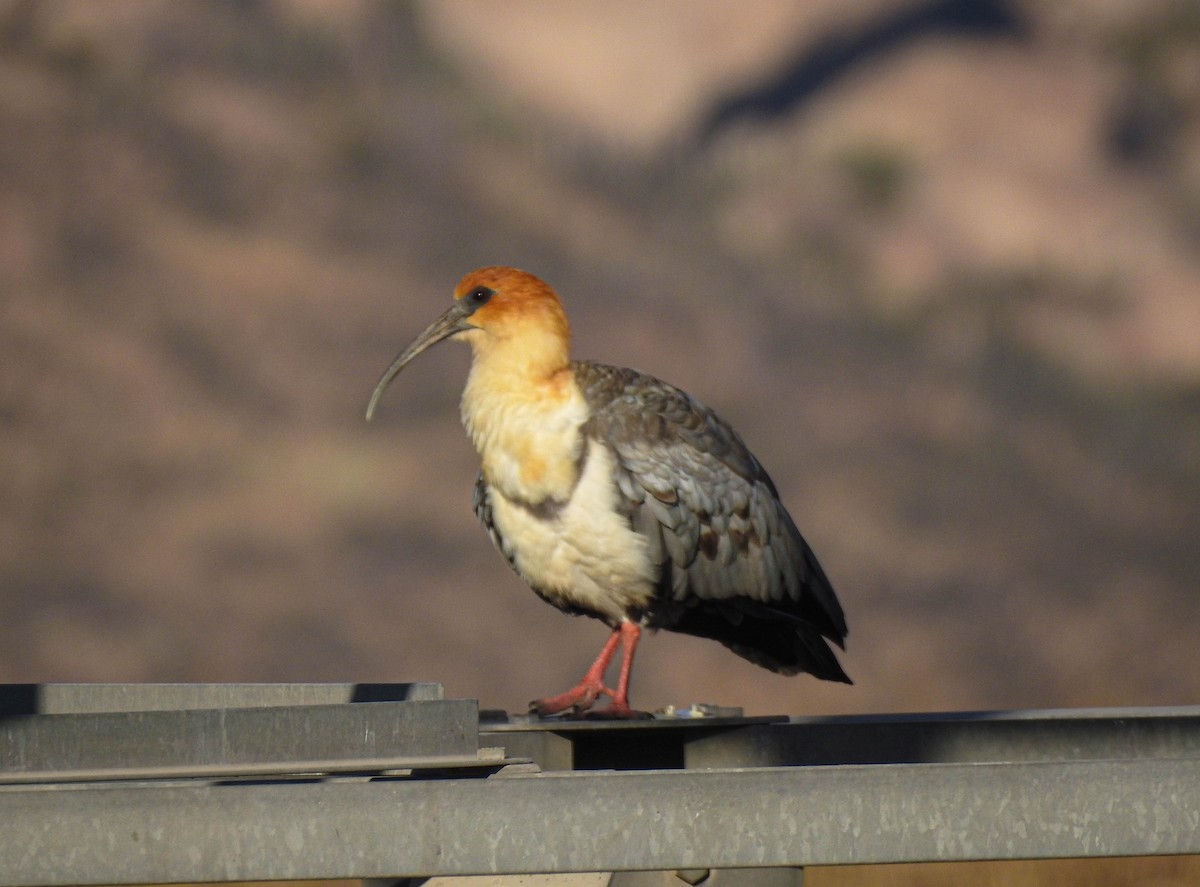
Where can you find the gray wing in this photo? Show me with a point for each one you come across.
(714, 523)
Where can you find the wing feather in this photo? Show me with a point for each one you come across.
(732, 564)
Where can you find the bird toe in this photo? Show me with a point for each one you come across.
(614, 712)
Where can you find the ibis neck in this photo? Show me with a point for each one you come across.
(523, 411)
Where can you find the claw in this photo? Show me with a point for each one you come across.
(583, 695)
(579, 698)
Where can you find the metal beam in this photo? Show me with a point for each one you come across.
(93, 698)
(956, 737)
(484, 762)
(277, 734)
(951, 737)
(581, 822)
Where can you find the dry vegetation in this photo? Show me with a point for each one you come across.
(947, 284)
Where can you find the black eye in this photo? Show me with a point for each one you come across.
(479, 296)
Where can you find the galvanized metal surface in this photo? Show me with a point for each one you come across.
(91, 698)
(483, 763)
(601, 822)
(761, 877)
(290, 787)
(238, 735)
(756, 877)
(954, 737)
(591, 879)
(590, 744)
(94, 697)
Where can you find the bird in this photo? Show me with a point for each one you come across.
(615, 495)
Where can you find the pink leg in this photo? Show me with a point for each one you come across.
(582, 696)
(619, 707)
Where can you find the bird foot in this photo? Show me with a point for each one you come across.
(583, 695)
(615, 712)
(579, 699)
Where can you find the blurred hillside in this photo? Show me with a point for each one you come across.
(939, 262)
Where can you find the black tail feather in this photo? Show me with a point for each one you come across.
(781, 643)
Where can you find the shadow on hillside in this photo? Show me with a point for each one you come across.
(818, 65)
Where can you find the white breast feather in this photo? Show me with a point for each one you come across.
(586, 552)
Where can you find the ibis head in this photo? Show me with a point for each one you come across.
(507, 316)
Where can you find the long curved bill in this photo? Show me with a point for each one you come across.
(454, 320)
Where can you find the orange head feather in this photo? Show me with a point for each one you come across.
(513, 302)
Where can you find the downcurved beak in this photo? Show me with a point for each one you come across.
(454, 320)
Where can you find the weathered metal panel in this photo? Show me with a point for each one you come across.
(588, 822)
(92, 698)
(957, 737)
(658, 744)
(238, 735)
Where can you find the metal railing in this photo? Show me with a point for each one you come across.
(129, 784)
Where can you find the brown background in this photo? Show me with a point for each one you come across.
(939, 262)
